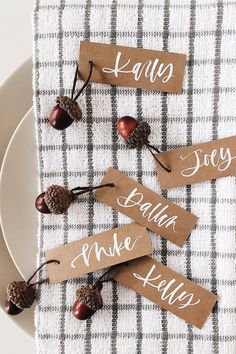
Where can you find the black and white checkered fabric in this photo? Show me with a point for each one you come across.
(206, 31)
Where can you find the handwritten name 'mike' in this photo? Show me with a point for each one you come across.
(115, 248)
(151, 70)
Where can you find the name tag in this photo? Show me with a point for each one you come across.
(198, 163)
(96, 252)
(167, 288)
(132, 67)
(146, 207)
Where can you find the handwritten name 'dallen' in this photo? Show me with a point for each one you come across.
(112, 250)
(151, 69)
(220, 159)
(153, 213)
(170, 291)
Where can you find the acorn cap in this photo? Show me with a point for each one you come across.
(58, 199)
(139, 136)
(21, 294)
(70, 106)
(90, 296)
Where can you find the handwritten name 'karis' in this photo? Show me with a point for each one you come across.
(171, 291)
(151, 69)
(114, 249)
(153, 213)
(220, 159)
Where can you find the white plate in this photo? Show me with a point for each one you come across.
(18, 188)
(15, 101)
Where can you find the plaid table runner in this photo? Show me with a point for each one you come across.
(206, 31)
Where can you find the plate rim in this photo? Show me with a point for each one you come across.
(22, 72)
(4, 162)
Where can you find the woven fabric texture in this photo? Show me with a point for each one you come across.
(206, 31)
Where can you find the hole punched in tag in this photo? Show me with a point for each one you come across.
(21, 295)
(136, 135)
(67, 110)
(57, 199)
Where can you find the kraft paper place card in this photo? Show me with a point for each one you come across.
(166, 288)
(97, 252)
(132, 67)
(198, 163)
(146, 207)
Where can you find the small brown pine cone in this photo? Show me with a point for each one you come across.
(21, 294)
(139, 136)
(90, 296)
(58, 199)
(70, 106)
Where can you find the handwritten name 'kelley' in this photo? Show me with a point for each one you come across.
(111, 250)
(170, 291)
(151, 70)
(153, 213)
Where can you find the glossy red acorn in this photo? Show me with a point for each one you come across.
(67, 110)
(40, 204)
(11, 308)
(136, 134)
(126, 126)
(82, 311)
(89, 300)
(21, 294)
(59, 118)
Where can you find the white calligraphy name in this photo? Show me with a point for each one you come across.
(99, 251)
(220, 159)
(172, 296)
(151, 213)
(150, 69)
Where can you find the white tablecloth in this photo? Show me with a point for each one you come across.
(206, 31)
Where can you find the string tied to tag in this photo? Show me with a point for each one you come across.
(21, 295)
(57, 199)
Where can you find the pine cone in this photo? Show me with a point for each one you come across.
(58, 199)
(21, 294)
(90, 296)
(70, 106)
(139, 136)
